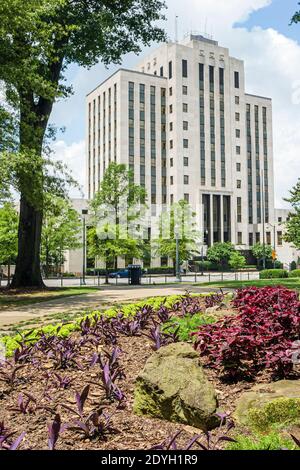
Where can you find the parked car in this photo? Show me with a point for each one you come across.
(122, 274)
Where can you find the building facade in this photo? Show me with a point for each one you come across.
(183, 122)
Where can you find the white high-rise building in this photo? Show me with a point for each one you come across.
(184, 124)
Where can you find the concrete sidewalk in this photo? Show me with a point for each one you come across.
(105, 297)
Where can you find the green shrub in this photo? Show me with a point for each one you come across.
(293, 266)
(278, 413)
(295, 273)
(273, 274)
(188, 325)
(272, 441)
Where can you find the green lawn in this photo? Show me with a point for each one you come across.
(11, 299)
(292, 283)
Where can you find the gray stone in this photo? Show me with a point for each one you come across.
(173, 386)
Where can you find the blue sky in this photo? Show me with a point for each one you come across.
(277, 16)
(256, 31)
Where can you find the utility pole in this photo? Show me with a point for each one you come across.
(84, 213)
(177, 258)
(176, 29)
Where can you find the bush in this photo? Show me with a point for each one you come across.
(295, 273)
(272, 441)
(273, 274)
(293, 266)
(260, 337)
(188, 324)
(278, 413)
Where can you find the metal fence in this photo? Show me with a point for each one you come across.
(147, 280)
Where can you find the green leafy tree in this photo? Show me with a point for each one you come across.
(237, 261)
(38, 40)
(292, 226)
(181, 220)
(61, 232)
(220, 253)
(115, 206)
(8, 234)
(260, 252)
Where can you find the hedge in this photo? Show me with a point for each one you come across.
(273, 274)
(295, 273)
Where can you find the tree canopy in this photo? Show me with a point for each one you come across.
(181, 220)
(220, 253)
(38, 40)
(292, 226)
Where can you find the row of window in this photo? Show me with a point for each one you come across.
(258, 236)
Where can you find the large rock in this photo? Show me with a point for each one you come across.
(268, 404)
(173, 386)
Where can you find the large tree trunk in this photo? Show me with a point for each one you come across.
(33, 124)
(28, 269)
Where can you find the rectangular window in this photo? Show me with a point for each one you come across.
(250, 239)
(237, 117)
(172, 199)
(171, 91)
(185, 125)
(237, 100)
(185, 107)
(238, 150)
(239, 184)
(268, 234)
(171, 180)
(186, 179)
(239, 209)
(184, 90)
(171, 144)
(187, 198)
(238, 133)
(185, 143)
(171, 126)
(171, 108)
(185, 161)
(170, 69)
(184, 68)
(236, 80)
(171, 162)
(238, 167)
(161, 71)
(279, 239)
(240, 238)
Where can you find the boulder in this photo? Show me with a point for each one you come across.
(173, 386)
(268, 404)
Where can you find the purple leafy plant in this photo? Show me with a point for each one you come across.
(55, 429)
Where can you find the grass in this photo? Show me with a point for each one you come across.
(11, 299)
(291, 283)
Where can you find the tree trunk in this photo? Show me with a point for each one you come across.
(8, 272)
(33, 124)
(28, 269)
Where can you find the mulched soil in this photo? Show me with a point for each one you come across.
(130, 431)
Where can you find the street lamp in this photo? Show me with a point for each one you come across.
(202, 252)
(177, 257)
(84, 213)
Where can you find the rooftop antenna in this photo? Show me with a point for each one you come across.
(205, 26)
(176, 28)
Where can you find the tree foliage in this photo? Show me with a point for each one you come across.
(8, 233)
(181, 220)
(292, 226)
(61, 232)
(115, 206)
(38, 40)
(220, 253)
(237, 261)
(260, 251)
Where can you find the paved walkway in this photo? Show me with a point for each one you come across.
(104, 297)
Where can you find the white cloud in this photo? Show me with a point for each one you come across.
(272, 64)
(74, 157)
